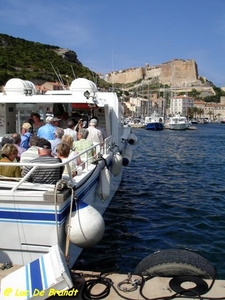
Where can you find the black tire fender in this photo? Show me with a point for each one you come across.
(174, 262)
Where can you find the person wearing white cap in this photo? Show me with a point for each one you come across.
(100, 128)
(48, 130)
(95, 135)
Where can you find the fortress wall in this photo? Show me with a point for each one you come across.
(126, 76)
(177, 72)
(152, 72)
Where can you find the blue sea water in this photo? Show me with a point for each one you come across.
(172, 196)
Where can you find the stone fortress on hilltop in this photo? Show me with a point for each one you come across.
(177, 76)
(175, 73)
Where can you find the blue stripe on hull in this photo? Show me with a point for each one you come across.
(154, 126)
(44, 216)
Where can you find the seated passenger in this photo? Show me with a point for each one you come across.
(69, 140)
(9, 153)
(48, 175)
(59, 132)
(63, 151)
(32, 152)
(16, 141)
(7, 139)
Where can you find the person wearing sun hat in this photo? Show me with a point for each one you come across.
(25, 135)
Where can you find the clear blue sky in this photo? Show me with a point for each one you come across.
(112, 35)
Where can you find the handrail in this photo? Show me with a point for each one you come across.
(104, 149)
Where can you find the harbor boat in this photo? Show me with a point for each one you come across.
(178, 123)
(199, 121)
(154, 122)
(194, 121)
(165, 274)
(136, 123)
(36, 216)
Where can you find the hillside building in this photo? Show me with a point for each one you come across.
(180, 105)
(49, 86)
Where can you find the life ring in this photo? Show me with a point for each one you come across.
(174, 262)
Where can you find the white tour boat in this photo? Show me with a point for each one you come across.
(34, 217)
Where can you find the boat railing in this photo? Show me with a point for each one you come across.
(86, 165)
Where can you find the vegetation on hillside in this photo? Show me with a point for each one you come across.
(216, 98)
(38, 62)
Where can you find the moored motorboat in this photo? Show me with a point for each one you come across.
(178, 123)
(136, 123)
(194, 121)
(154, 122)
(34, 217)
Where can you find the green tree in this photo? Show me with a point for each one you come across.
(210, 113)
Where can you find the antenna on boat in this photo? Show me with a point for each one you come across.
(61, 80)
(94, 78)
(73, 72)
(112, 69)
(58, 76)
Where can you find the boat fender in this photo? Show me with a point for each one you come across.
(173, 262)
(104, 183)
(87, 226)
(127, 155)
(117, 162)
(132, 139)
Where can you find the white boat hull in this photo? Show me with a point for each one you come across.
(178, 126)
(29, 219)
(178, 123)
(33, 216)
